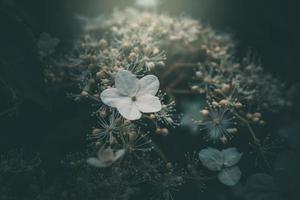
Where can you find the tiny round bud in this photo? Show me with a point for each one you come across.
(249, 116)
(204, 112)
(213, 64)
(215, 104)
(98, 143)
(261, 122)
(84, 93)
(195, 88)
(255, 119)
(238, 105)
(232, 130)
(132, 136)
(126, 45)
(95, 131)
(201, 91)
(152, 116)
(199, 74)
(169, 166)
(165, 131)
(257, 114)
(224, 102)
(102, 44)
(162, 131)
(150, 65)
(225, 88)
(156, 50)
(217, 90)
(224, 140)
(207, 80)
(147, 50)
(132, 56)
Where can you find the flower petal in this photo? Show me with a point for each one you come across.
(148, 85)
(111, 96)
(128, 109)
(96, 162)
(148, 103)
(119, 154)
(105, 154)
(126, 83)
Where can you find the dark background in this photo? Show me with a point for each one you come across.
(50, 123)
(270, 28)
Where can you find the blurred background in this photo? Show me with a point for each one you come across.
(53, 124)
(269, 28)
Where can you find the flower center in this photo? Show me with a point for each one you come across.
(133, 98)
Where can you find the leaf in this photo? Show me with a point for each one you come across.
(287, 172)
(260, 187)
(211, 158)
(231, 156)
(230, 176)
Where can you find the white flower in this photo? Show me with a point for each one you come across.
(147, 3)
(105, 157)
(133, 96)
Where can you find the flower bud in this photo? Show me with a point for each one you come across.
(84, 93)
(225, 88)
(224, 102)
(204, 112)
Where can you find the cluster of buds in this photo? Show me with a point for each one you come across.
(255, 118)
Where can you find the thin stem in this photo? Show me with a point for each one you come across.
(256, 140)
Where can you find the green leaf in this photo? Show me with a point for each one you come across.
(231, 156)
(211, 158)
(230, 176)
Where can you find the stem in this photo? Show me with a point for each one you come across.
(156, 147)
(256, 140)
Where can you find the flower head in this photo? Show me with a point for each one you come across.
(133, 96)
(218, 123)
(105, 157)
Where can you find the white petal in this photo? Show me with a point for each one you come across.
(148, 85)
(96, 162)
(128, 109)
(110, 97)
(119, 154)
(231, 156)
(126, 83)
(230, 176)
(105, 154)
(148, 103)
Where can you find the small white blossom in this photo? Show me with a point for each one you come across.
(105, 157)
(133, 96)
